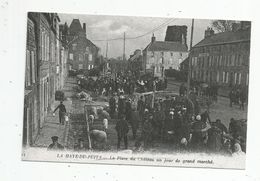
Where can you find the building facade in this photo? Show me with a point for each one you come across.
(162, 55)
(222, 59)
(31, 93)
(135, 63)
(83, 54)
(117, 66)
(41, 76)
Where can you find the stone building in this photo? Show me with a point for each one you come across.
(222, 58)
(117, 66)
(83, 54)
(135, 63)
(161, 55)
(42, 75)
(31, 93)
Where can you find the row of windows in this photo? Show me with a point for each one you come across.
(162, 54)
(45, 40)
(74, 47)
(89, 66)
(81, 57)
(30, 75)
(218, 60)
(225, 77)
(223, 48)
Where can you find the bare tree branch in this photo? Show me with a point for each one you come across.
(222, 25)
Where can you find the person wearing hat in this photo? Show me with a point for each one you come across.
(62, 112)
(141, 107)
(197, 138)
(55, 144)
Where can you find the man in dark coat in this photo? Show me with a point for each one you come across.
(128, 110)
(178, 120)
(231, 97)
(122, 129)
(55, 144)
(141, 107)
(121, 105)
(214, 142)
(112, 105)
(234, 128)
(62, 112)
(147, 132)
(221, 126)
(159, 117)
(197, 135)
(134, 122)
(242, 99)
(182, 90)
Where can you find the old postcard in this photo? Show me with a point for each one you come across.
(136, 90)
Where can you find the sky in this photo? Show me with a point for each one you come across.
(101, 27)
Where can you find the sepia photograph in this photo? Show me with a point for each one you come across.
(136, 90)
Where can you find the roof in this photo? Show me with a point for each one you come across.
(225, 37)
(75, 27)
(135, 55)
(166, 46)
(86, 41)
(185, 61)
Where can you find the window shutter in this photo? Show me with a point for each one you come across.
(33, 66)
(27, 70)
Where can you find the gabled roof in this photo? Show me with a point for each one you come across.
(225, 37)
(75, 27)
(86, 41)
(166, 46)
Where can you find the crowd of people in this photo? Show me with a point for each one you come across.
(125, 84)
(175, 121)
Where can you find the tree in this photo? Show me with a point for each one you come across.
(222, 25)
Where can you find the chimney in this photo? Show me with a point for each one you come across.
(153, 38)
(208, 32)
(84, 27)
